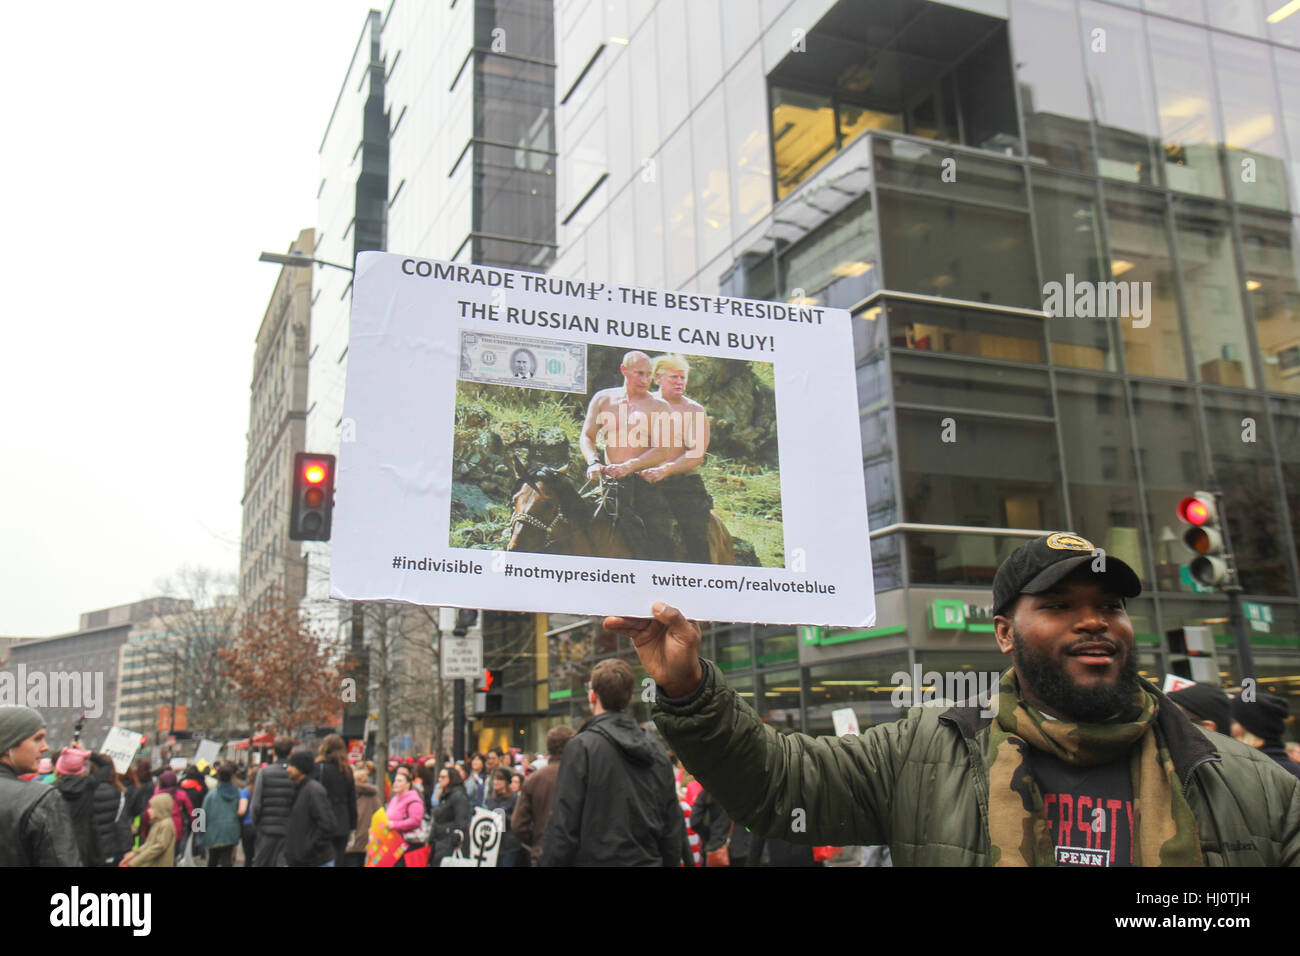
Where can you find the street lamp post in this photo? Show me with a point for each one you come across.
(298, 261)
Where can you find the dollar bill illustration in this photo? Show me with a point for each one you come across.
(523, 362)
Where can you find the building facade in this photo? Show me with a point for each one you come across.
(271, 567)
(935, 168)
(69, 675)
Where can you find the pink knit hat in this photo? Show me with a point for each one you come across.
(71, 761)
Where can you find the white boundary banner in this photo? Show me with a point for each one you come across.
(421, 330)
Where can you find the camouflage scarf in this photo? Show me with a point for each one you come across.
(1018, 831)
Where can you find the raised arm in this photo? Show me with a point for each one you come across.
(824, 790)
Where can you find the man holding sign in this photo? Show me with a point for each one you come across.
(1081, 764)
(635, 425)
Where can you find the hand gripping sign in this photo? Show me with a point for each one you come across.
(531, 443)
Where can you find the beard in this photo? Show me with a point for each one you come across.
(1050, 683)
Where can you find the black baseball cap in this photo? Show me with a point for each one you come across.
(1037, 565)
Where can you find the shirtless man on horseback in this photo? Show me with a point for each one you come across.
(637, 428)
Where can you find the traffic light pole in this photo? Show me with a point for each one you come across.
(458, 721)
(1240, 633)
(1236, 616)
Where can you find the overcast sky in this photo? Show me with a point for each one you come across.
(150, 153)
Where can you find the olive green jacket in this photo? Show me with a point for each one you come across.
(921, 784)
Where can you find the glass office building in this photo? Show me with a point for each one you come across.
(935, 168)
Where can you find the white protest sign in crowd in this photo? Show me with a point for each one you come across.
(524, 442)
(121, 745)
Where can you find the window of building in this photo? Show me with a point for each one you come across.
(1138, 226)
(932, 328)
(712, 183)
(747, 139)
(1100, 472)
(1244, 469)
(1212, 294)
(1053, 94)
(780, 698)
(803, 135)
(837, 264)
(925, 69)
(1169, 452)
(963, 386)
(1256, 152)
(1070, 250)
(886, 553)
(1189, 123)
(1269, 251)
(958, 558)
(956, 250)
(866, 685)
(994, 472)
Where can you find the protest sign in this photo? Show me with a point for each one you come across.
(725, 432)
(121, 745)
(207, 752)
(846, 721)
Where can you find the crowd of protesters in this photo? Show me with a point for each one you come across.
(315, 807)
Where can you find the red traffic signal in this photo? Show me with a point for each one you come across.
(1210, 566)
(312, 497)
(1197, 509)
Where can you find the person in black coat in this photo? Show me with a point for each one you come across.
(309, 840)
(273, 797)
(450, 816)
(615, 800)
(110, 819)
(335, 776)
(78, 791)
(716, 829)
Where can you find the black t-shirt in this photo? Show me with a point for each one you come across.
(1089, 810)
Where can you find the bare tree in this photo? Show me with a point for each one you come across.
(191, 636)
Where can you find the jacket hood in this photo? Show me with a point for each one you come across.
(624, 733)
(73, 785)
(160, 806)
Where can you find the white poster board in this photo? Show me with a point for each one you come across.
(477, 399)
(846, 721)
(207, 751)
(461, 657)
(121, 745)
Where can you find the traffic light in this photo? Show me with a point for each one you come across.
(466, 619)
(490, 701)
(312, 503)
(1204, 539)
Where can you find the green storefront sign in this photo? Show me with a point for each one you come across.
(948, 615)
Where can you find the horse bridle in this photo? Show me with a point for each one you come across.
(607, 492)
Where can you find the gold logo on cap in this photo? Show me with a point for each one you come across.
(1064, 541)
